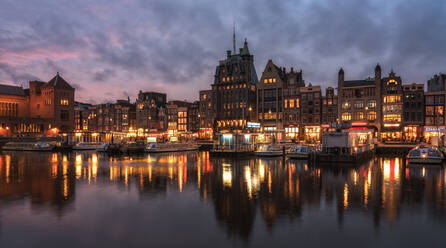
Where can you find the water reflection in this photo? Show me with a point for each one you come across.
(237, 189)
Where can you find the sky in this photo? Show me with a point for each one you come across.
(111, 49)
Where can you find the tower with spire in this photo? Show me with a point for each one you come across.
(235, 76)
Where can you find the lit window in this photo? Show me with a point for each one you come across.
(64, 102)
(346, 116)
(371, 116)
(291, 103)
(265, 81)
(371, 104)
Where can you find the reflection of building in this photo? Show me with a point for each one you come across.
(359, 101)
(234, 91)
(392, 109)
(310, 109)
(44, 109)
(413, 107)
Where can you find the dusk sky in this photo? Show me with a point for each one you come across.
(110, 49)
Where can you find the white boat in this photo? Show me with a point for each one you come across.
(300, 151)
(89, 146)
(425, 154)
(28, 146)
(269, 151)
(103, 147)
(170, 147)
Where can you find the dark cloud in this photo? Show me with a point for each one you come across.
(175, 45)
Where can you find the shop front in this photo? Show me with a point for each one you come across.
(312, 134)
(412, 133)
(292, 133)
(433, 131)
(392, 133)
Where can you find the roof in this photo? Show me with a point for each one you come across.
(358, 83)
(58, 82)
(11, 90)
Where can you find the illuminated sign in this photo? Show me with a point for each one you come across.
(433, 129)
(355, 124)
(253, 124)
(391, 125)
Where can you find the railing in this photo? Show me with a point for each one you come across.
(234, 148)
(348, 150)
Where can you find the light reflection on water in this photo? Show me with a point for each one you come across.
(257, 202)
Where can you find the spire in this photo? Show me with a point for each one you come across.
(378, 67)
(245, 50)
(341, 71)
(233, 37)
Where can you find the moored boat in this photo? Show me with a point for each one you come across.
(270, 151)
(28, 146)
(425, 154)
(170, 147)
(88, 146)
(300, 152)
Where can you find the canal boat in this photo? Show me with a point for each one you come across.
(28, 146)
(270, 150)
(170, 147)
(89, 146)
(425, 154)
(301, 152)
(135, 147)
(348, 146)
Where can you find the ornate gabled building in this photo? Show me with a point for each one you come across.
(53, 101)
(392, 108)
(413, 106)
(278, 100)
(234, 91)
(149, 106)
(329, 114)
(311, 108)
(359, 101)
(270, 102)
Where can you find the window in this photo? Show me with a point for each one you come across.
(371, 104)
(64, 115)
(359, 116)
(346, 105)
(291, 103)
(371, 116)
(392, 118)
(64, 102)
(346, 116)
(392, 99)
(297, 102)
(359, 104)
(48, 101)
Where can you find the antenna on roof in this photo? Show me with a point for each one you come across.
(233, 37)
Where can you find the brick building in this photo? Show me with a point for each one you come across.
(46, 108)
(413, 117)
(149, 108)
(234, 91)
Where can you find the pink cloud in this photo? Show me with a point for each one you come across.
(19, 58)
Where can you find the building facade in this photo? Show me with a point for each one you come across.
(234, 91)
(310, 112)
(392, 109)
(46, 108)
(329, 114)
(148, 108)
(413, 117)
(359, 101)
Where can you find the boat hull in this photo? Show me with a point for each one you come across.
(298, 156)
(425, 160)
(161, 150)
(268, 154)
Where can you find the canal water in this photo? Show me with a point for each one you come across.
(192, 200)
